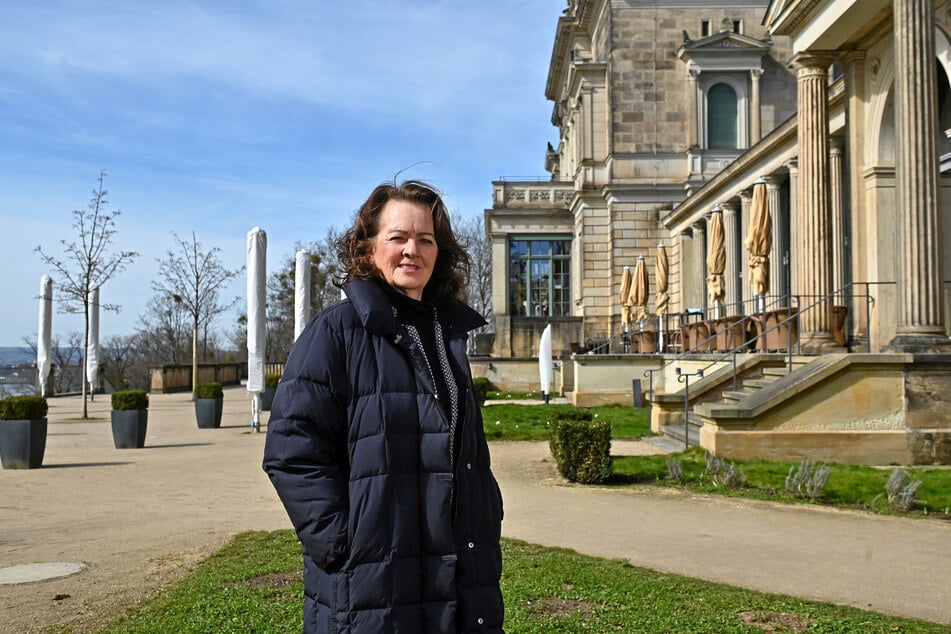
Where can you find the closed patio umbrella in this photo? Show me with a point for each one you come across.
(92, 351)
(545, 363)
(759, 242)
(661, 303)
(625, 297)
(640, 288)
(257, 265)
(716, 261)
(44, 337)
(301, 292)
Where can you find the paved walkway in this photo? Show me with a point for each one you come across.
(137, 519)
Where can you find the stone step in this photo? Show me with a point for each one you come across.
(676, 433)
(733, 396)
(758, 383)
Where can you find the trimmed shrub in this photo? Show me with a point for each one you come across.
(23, 408)
(271, 380)
(130, 400)
(209, 390)
(482, 388)
(581, 445)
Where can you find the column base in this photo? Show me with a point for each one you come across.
(819, 343)
(919, 344)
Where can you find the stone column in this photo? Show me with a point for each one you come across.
(746, 291)
(683, 281)
(920, 326)
(700, 262)
(792, 211)
(813, 220)
(731, 274)
(693, 113)
(755, 114)
(778, 252)
(860, 228)
(839, 248)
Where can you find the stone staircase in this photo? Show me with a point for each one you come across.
(750, 382)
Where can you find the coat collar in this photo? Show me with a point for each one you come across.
(376, 313)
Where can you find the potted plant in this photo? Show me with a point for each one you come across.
(22, 431)
(270, 387)
(209, 398)
(130, 417)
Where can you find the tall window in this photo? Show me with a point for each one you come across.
(540, 277)
(721, 118)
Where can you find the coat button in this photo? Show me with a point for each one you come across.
(468, 465)
(471, 545)
(480, 621)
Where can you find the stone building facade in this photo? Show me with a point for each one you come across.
(674, 117)
(651, 100)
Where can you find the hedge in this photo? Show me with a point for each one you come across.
(581, 445)
(209, 390)
(130, 400)
(23, 408)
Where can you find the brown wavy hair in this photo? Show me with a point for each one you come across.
(355, 246)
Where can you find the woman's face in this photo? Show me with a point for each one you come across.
(404, 249)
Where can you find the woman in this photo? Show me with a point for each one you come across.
(375, 442)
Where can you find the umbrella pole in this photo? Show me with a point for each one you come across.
(761, 303)
(660, 334)
(256, 411)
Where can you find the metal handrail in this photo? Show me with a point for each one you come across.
(793, 317)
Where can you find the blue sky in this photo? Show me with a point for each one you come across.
(216, 117)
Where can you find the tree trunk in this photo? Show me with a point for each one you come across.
(194, 359)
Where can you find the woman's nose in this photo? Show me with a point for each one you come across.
(410, 248)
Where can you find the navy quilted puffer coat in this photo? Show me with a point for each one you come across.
(395, 539)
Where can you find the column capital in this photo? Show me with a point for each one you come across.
(812, 62)
(773, 181)
(729, 208)
(792, 166)
(756, 73)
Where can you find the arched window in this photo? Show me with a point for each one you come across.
(721, 118)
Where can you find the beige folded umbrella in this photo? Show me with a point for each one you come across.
(661, 274)
(639, 290)
(625, 296)
(716, 260)
(760, 240)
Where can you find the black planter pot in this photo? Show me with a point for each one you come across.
(22, 443)
(208, 412)
(267, 397)
(128, 428)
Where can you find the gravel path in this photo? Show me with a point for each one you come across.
(141, 518)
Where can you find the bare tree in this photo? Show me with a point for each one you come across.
(193, 278)
(282, 290)
(471, 233)
(88, 263)
(163, 332)
(124, 364)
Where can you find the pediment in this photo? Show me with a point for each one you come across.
(724, 40)
(724, 51)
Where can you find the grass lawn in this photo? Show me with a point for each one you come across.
(848, 486)
(531, 422)
(254, 585)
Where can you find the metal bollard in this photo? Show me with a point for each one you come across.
(638, 396)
